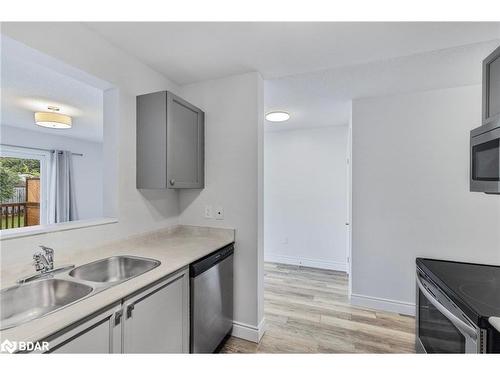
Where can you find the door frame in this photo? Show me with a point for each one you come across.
(349, 209)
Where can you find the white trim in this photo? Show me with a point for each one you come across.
(8, 234)
(307, 262)
(262, 328)
(385, 304)
(248, 332)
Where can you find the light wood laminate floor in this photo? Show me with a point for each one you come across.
(307, 311)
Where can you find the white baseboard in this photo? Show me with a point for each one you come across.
(249, 332)
(307, 262)
(383, 304)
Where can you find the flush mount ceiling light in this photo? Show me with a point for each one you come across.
(277, 116)
(53, 119)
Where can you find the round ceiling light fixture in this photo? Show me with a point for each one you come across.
(277, 116)
(53, 119)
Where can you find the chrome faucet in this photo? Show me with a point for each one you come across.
(44, 265)
(44, 260)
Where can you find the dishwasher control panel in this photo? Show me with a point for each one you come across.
(210, 260)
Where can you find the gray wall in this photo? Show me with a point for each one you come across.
(411, 192)
(233, 139)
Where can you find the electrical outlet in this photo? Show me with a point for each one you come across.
(219, 213)
(208, 212)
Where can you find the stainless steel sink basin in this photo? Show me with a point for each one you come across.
(37, 297)
(114, 269)
(22, 303)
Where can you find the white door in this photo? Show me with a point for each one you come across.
(157, 320)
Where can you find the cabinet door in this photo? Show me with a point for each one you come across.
(157, 319)
(185, 147)
(151, 163)
(100, 334)
(494, 87)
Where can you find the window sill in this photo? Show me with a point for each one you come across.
(8, 234)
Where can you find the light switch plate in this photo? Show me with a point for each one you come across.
(208, 212)
(219, 213)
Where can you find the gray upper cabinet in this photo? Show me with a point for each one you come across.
(491, 88)
(170, 143)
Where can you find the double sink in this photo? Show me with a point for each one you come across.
(42, 296)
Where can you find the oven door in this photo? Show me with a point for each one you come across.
(485, 162)
(441, 326)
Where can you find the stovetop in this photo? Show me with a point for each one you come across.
(475, 288)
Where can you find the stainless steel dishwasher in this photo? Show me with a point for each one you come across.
(211, 282)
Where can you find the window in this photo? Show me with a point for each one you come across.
(23, 187)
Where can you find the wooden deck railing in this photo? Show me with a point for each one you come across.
(13, 215)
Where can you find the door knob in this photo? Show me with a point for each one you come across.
(118, 317)
(130, 308)
(346, 223)
(172, 182)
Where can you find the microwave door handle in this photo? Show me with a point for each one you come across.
(460, 324)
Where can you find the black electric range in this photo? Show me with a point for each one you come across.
(473, 288)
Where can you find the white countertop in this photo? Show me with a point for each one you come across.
(174, 247)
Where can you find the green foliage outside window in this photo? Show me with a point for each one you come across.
(11, 170)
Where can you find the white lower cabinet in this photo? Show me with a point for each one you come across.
(99, 334)
(153, 320)
(157, 319)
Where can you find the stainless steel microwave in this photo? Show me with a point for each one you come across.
(485, 159)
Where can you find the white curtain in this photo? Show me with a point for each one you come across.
(61, 202)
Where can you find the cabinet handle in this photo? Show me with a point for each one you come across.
(118, 317)
(129, 311)
(172, 181)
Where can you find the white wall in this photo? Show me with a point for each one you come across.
(305, 197)
(88, 171)
(234, 108)
(137, 211)
(233, 131)
(411, 192)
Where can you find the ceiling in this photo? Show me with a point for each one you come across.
(313, 70)
(323, 98)
(29, 84)
(189, 52)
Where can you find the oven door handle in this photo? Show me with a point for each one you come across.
(459, 323)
